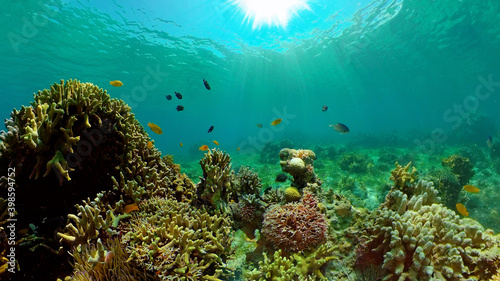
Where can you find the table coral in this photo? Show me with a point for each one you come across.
(295, 226)
(416, 238)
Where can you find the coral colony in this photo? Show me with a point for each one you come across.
(93, 195)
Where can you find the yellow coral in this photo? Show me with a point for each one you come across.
(401, 177)
(304, 153)
(292, 194)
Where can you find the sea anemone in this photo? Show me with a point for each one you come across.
(295, 226)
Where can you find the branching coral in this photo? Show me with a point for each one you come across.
(247, 182)
(402, 176)
(295, 226)
(177, 242)
(414, 238)
(216, 185)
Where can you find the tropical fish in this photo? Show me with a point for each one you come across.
(116, 83)
(276, 122)
(210, 129)
(324, 108)
(130, 207)
(216, 142)
(206, 84)
(203, 147)
(471, 188)
(169, 97)
(150, 144)
(489, 142)
(178, 95)
(238, 149)
(181, 144)
(259, 125)
(341, 128)
(462, 210)
(155, 128)
(281, 178)
(179, 108)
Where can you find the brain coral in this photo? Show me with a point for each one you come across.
(295, 226)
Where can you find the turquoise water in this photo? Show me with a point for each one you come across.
(418, 78)
(391, 67)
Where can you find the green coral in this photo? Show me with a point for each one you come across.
(460, 166)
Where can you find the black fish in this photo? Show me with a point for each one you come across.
(206, 84)
(325, 108)
(180, 108)
(341, 128)
(169, 97)
(178, 95)
(210, 129)
(281, 178)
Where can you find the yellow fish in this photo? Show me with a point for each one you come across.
(471, 188)
(155, 128)
(216, 142)
(276, 122)
(116, 83)
(181, 144)
(462, 210)
(150, 144)
(238, 149)
(130, 207)
(203, 147)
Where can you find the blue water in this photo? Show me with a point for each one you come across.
(381, 67)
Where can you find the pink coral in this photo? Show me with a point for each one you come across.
(295, 226)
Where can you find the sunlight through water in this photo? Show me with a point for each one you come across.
(271, 12)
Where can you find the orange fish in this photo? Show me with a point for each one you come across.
(181, 144)
(203, 147)
(462, 210)
(276, 122)
(150, 144)
(216, 142)
(471, 188)
(130, 207)
(116, 83)
(238, 149)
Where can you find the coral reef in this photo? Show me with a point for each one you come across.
(175, 241)
(292, 194)
(216, 186)
(446, 182)
(460, 166)
(415, 238)
(271, 149)
(355, 163)
(300, 164)
(247, 182)
(295, 226)
(402, 177)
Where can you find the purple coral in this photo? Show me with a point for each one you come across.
(295, 226)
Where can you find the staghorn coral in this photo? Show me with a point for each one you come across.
(460, 166)
(402, 177)
(216, 185)
(174, 241)
(295, 226)
(415, 238)
(300, 164)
